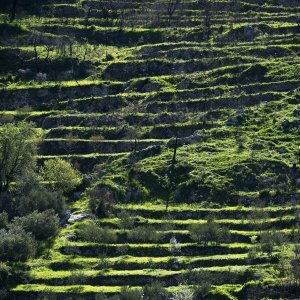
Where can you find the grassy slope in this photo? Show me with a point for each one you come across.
(151, 83)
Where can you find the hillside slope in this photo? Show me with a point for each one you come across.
(180, 110)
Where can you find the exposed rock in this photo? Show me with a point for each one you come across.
(41, 77)
(194, 138)
(70, 236)
(25, 72)
(80, 217)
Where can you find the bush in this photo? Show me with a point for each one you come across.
(3, 220)
(127, 293)
(42, 225)
(16, 245)
(4, 274)
(209, 232)
(264, 194)
(102, 199)
(183, 294)
(154, 291)
(144, 234)
(40, 200)
(125, 220)
(91, 232)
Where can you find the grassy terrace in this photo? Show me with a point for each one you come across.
(109, 84)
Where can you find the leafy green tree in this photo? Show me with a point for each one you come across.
(16, 245)
(4, 274)
(270, 239)
(91, 232)
(126, 221)
(40, 200)
(209, 232)
(3, 220)
(60, 174)
(42, 225)
(17, 151)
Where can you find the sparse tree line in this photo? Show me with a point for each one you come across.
(32, 198)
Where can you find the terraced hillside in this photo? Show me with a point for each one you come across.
(178, 112)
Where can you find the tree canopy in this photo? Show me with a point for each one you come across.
(60, 175)
(18, 143)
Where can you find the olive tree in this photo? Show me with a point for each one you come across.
(18, 144)
(60, 175)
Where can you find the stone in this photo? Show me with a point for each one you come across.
(80, 217)
(70, 236)
(191, 139)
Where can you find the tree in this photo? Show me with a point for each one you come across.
(60, 175)
(27, 5)
(270, 239)
(16, 245)
(42, 225)
(209, 232)
(295, 263)
(155, 290)
(17, 151)
(172, 5)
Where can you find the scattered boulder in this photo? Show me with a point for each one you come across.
(80, 217)
(25, 72)
(191, 139)
(41, 77)
(70, 236)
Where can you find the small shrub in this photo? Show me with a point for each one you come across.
(125, 220)
(183, 294)
(91, 232)
(127, 293)
(102, 199)
(264, 194)
(3, 220)
(154, 291)
(144, 234)
(76, 277)
(4, 274)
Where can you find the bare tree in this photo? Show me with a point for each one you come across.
(206, 6)
(172, 6)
